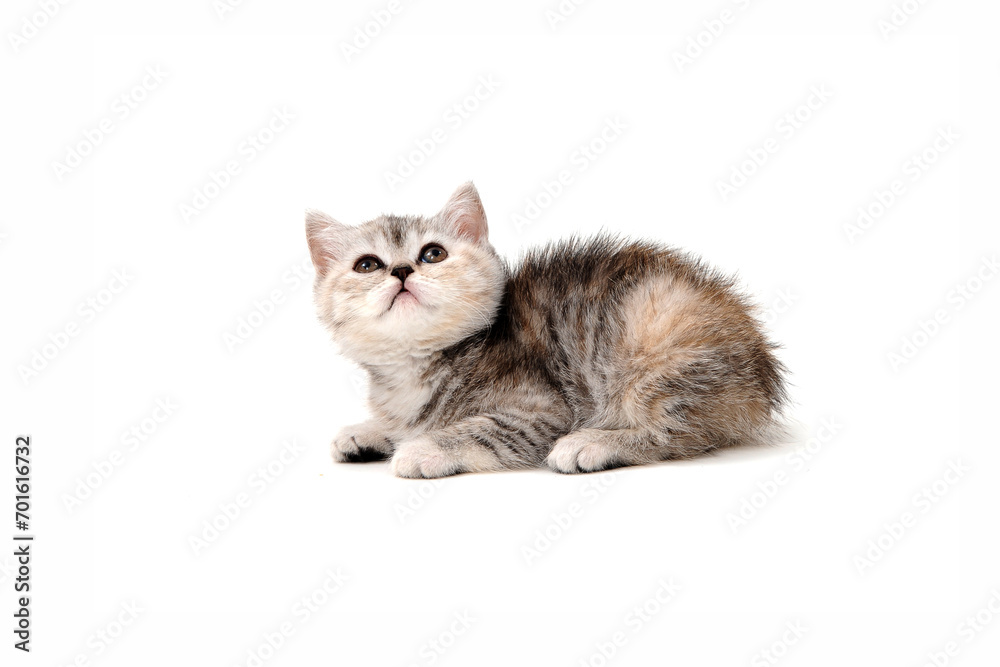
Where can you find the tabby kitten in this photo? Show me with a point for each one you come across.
(587, 355)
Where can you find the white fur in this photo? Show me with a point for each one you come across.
(587, 450)
(351, 439)
(422, 457)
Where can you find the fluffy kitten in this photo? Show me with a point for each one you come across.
(588, 355)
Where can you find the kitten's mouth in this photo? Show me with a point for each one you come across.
(404, 295)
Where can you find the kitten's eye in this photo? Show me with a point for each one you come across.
(433, 254)
(368, 264)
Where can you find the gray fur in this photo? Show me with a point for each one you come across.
(588, 355)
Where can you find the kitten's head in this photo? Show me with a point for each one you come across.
(404, 286)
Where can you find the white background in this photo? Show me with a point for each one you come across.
(417, 554)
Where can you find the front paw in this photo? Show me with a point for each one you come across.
(586, 450)
(360, 443)
(423, 458)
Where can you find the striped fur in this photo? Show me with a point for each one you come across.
(588, 354)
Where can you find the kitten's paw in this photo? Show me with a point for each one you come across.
(360, 443)
(583, 451)
(422, 457)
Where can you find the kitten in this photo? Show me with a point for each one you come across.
(588, 355)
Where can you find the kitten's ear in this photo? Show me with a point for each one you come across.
(464, 213)
(326, 240)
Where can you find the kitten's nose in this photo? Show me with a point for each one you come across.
(402, 271)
